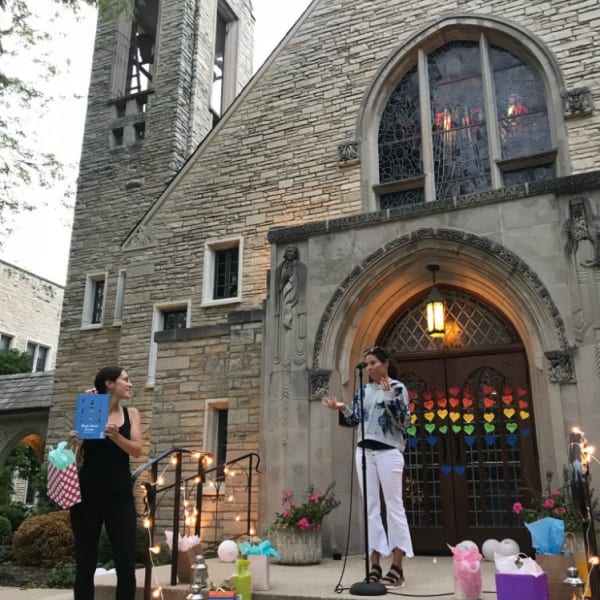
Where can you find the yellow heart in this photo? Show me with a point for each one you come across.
(454, 416)
(489, 417)
(509, 412)
(442, 414)
(413, 419)
(468, 417)
(429, 416)
(524, 414)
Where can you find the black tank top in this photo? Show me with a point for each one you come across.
(105, 466)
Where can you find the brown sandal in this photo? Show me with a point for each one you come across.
(393, 578)
(374, 574)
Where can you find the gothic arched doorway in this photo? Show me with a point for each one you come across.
(471, 449)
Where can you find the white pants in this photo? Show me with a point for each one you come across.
(384, 467)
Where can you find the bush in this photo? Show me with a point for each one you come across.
(13, 361)
(15, 512)
(44, 540)
(5, 530)
(105, 558)
(62, 576)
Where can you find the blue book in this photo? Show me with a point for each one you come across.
(91, 415)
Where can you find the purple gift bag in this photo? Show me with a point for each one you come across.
(522, 587)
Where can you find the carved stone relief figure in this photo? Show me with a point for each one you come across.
(579, 227)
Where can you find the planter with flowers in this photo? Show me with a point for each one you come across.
(296, 530)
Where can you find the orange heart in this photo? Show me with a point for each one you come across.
(442, 413)
(524, 415)
(489, 417)
(413, 419)
(523, 404)
(509, 412)
(429, 416)
(507, 399)
(411, 407)
(454, 416)
(488, 402)
(467, 402)
(428, 405)
(454, 402)
(442, 402)
(468, 417)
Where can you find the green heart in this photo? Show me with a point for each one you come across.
(456, 428)
(430, 427)
(489, 427)
(443, 428)
(469, 429)
(412, 430)
(512, 427)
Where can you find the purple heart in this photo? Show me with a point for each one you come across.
(470, 440)
(525, 432)
(512, 440)
(413, 442)
(459, 469)
(431, 440)
(490, 440)
(446, 469)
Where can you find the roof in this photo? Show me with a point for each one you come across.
(26, 391)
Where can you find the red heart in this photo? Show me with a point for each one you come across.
(487, 389)
(488, 402)
(507, 399)
(428, 405)
(467, 402)
(454, 402)
(523, 404)
(521, 392)
(454, 391)
(427, 395)
(412, 394)
(468, 392)
(507, 390)
(411, 407)
(442, 402)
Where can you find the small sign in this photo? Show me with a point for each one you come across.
(91, 415)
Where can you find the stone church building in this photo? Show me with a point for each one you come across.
(239, 242)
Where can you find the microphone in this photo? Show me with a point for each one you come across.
(361, 365)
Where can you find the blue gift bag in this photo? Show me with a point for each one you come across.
(522, 587)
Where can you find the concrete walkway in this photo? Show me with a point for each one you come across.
(427, 577)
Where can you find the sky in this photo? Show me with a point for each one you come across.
(39, 241)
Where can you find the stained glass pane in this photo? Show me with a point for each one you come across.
(399, 140)
(521, 106)
(402, 198)
(460, 143)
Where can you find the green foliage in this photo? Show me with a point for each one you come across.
(61, 576)
(44, 540)
(15, 512)
(105, 558)
(13, 361)
(5, 530)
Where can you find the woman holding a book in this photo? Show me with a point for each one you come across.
(106, 490)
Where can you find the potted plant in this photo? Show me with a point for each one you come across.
(296, 529)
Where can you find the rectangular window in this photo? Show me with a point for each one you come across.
(142, 44)
(222, 282)
(5, 341)
(174, 318)
(216, 413)
(93, 300)
(120, 297)
(221, 454)
(38, 355)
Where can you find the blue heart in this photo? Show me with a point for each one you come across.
(431, 440)
(525, 432)
(512, 440)
(446, 469)
(459, 469)
(470, 440)
(413, 442)
(490, 439)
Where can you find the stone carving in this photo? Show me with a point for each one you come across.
(319, 385)
(560, 366)
(578, 102)
(142, 237)
(347, 151)
(290, 309)
(582, 226)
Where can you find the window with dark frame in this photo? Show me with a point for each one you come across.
(226, 273)
(175, 318)
(97, 301)
(216, 103)
(38, 355)
(142, 47)
(5, 341)
(221, 458)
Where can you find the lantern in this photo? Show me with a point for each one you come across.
(435, 309)
(573, 585)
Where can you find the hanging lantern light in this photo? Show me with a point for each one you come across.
(574, 586)
(436, 327)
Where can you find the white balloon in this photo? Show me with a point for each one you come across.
(489, 548)
(508, 547)
(227, 551)
(467, 545)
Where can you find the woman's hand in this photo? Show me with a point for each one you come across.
(333, 403)
(386, 383)
(112, 430)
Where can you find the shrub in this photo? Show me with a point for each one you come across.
(13, 361)
(61, 576)
(5, 530)
(44, 540)
(15, 512)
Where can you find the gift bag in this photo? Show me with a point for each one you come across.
(259, 568)
(63, 479)
(185, 560)
(555, 566)
(521, 587)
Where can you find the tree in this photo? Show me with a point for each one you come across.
(12, 362)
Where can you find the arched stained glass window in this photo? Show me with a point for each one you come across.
(485, 126)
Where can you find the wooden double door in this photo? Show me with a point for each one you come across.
(471, 448)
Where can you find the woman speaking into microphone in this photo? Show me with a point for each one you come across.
(386, 415)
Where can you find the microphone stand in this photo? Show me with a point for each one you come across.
(366, 587)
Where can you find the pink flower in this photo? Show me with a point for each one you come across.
(315, 497)
(555, 493)
(303, 524)
(560, 510)
(286, 496)
(549, 503)
(517, 508)
(293, 505)
(286, 513)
